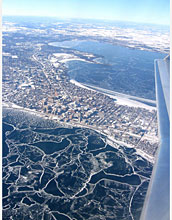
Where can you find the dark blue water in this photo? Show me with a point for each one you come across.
(66, 168)
(129, 71)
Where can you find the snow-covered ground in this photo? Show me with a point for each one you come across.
(120, 99)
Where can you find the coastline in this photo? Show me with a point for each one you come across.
(109, 139)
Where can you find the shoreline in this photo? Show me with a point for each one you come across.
(109, 139)
(120, 98)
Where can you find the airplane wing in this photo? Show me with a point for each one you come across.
(157, 202)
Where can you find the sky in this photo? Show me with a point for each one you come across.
(144, 11)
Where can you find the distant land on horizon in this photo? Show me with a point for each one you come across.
(90, 20)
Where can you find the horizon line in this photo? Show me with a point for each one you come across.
(78, 18)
